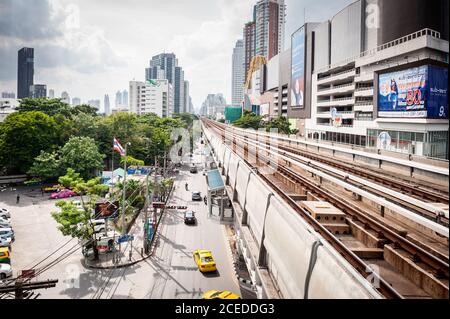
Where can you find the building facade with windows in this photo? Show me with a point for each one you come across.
(152, 96)
(25, 72)
(237, 73)
(38, 90)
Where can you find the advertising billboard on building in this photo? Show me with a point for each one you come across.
(419, 92)
(298, 68)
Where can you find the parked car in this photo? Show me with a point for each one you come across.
(5, 224)
(196, 196)
(193, 170)
(5, 213)
(7, 232)
(5, 271)
(5, 256)
(218, 294)
(4, 219)
(63, 194)
(189, 217)
(204, 260)
(5, 241)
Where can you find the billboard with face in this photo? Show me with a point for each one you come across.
(298, 68)
(419, 92)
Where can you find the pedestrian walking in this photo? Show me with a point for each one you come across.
(17, 199)
(205, 199)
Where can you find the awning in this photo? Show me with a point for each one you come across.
(214, 180)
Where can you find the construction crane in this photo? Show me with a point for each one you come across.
(255, 64)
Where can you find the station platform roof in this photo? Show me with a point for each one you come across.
(214, 180)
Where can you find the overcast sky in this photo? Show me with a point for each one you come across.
(94, 47)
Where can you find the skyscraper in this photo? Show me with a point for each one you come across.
(186, 97)
(51, 94)
(38, 90)
(94, 103)
(76, 101)
(118, 101)
(249, 45)
(162, 66)
(270, 21)
(25, 72)
(237, 73)
(107, 105)
(125, 98)
(265, 34)
(179, 90)
(65, 97)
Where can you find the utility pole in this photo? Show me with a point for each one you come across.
(20, 286)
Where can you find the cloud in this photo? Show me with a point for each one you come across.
(205, 54)
(20, 20)
(59, 39)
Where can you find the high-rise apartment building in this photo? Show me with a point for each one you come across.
(25, 72)
(162, 66)
(238, 73)
(178, 90)
(8, 95)
(249, 45)
(76, 101)
(213, 105)
(107, 105)
(94, 103)
(125, 98)
(152, 96)
(265, 34)
(65, 97)
(38, 90)
(186, 97)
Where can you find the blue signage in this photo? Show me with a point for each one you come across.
(125, 238)
(419, 92)
(298, 67)
(437, 105)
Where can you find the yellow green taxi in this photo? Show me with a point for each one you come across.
(5, 257)
(204, 260)
(218, 294)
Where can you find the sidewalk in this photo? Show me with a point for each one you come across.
(126, 254)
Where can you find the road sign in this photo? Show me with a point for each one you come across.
(125, 238)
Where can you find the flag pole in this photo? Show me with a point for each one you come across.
(124, 189)
(112, 167)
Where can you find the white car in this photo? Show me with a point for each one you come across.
(5, 214)
(5, 241)
(5, 223)
(5, 271)
(7, 232)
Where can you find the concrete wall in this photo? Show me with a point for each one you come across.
(347, 32)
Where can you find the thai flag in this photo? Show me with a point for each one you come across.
(118, 147)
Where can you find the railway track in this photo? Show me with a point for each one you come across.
(413, 197)
(434, 267)
(421, 191)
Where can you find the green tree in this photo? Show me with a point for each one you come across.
(131, 161)
(50, 107)
(84, 109)
(23, 135)
(76, 222)
(281, 124)
(71, 180)
(81, 154)
(46, 165)
(249, 120)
